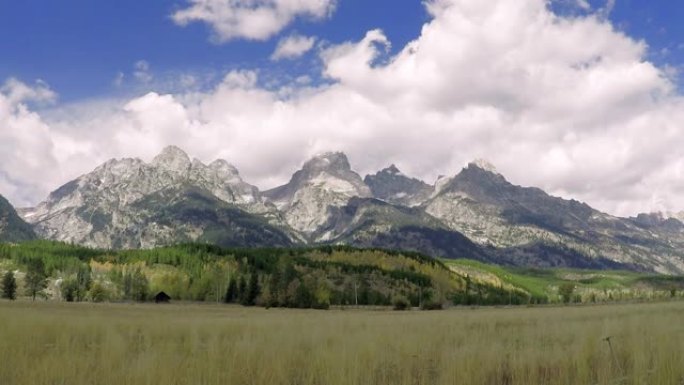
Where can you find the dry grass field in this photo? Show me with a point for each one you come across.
(78, 344)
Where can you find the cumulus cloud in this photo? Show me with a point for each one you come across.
(27, 167)
(292, 47)
(250, 19)
(15, 92)
(567, 104)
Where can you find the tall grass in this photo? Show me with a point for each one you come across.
(74, 344)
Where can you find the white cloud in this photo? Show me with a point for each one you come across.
(251, 19)
(567, 104)
(583, 4)
(16, 92)
(142, 71)
(608, 8)
(27, 167)
(292, 47)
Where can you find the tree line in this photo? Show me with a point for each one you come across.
(291, 277)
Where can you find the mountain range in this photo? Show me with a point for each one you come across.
(476, 214)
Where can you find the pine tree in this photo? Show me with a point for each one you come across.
(242, 290)
(467, 289)
(253, 290)
(231, 292)
(9, 286)
(36, 278)
(303, 296)
(274, 289)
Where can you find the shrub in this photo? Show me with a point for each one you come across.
(401, 303)
(98, 293)
(566, 291)
(69, 290)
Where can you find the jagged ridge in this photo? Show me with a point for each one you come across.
(476, 214)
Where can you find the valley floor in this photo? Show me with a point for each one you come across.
(58, 343)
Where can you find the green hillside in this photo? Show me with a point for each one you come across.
(588, 285)
(290, 277)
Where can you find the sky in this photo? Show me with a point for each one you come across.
(582, 98)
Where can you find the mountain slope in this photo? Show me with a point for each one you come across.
(324, 182)
(12, 227)
(191, 214)
(488, 209)
(367, 222)
(373, 223)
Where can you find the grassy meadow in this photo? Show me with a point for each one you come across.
(50, 343)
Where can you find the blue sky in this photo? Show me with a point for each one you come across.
(79, 46)
(560, 95)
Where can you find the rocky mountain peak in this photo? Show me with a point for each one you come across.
(329, 171)
(482, 174)
(223, 167)
(324, 181)
(478, 184)
(392, 169)
(116, 198)
(172, 158)
(391, 185)
(484, 165)
(659, 220)
(328, 161)
(120, 166)
(650, 219)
